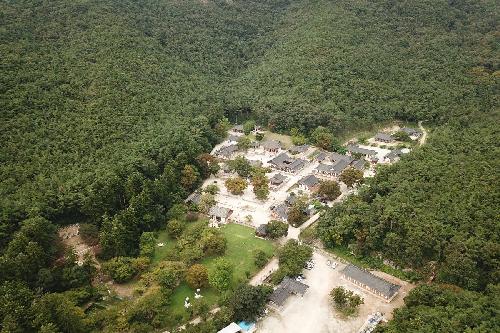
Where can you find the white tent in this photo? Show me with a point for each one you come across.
(231, 328)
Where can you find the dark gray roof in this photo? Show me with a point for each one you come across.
(359, 150)
(271, 144)
(393, 154)
(298, 149)
(286, 288)
(261, 230)
(281, 211)
(334, 157)
(340, 166)
(309, 181)
(279, 296)
(277, 179)
(238, 128)
(321, 156)
(193, 198)
(281, 158)
(297, 164)
(366, 278)
(227, 150)
(384, 137)
(291, 199)
(294, 286)
(285, 162)
(358, 164)
(324, 167)
(219, 211)
(411, 131)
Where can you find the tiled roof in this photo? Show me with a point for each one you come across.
(374, 282)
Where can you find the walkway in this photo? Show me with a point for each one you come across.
(424, 133)
(271, 267)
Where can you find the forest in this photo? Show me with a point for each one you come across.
(107, 108)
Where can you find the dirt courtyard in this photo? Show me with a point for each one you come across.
(314, 313)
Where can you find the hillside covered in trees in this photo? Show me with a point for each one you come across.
(108, 105)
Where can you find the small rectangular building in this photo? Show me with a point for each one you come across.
(227, 152)
(412, 132)
(285, 289)
(277, 179)
(372, 283)
(354, 149)
(308, 183)
(219, 215)
(384, 137)
(271, 146)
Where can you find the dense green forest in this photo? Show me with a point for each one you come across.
(106, 107)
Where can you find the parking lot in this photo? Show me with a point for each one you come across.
(315, 313)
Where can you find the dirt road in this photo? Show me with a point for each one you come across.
(424, 133)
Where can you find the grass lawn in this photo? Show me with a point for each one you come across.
(161, 252)
(285, 140)
(241, 243)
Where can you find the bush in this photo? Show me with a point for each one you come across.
(212, 189)
(236, 185)
(174, 228)
(191, 216)
(292, 257)
(277, 229)
(147, 244)
(120, 269)
(260, 258)
(345, 300)
(197, 276)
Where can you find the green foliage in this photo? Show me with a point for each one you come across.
(260, 258)
(207, 200)
(221, 274)
(297, 214)
(241, 166)
(236, 185)
(213, 242)
(247, 302)
(292, 257)
(260, 184)
(59, 312)
(435, 308)
(212, 189)
(147, 244)
(401, 136)
(174, 228)
(197, 276)
(120, 269)
(276, 229)
(345, 300)
(420, 210)
(351, 177)
(248, 126)
(329, 189)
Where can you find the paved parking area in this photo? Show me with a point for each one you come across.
(315, 313)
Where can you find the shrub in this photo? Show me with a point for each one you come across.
(260, 258)
(197, 276)
(174, 228)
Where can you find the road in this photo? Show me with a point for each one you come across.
(424, 133)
